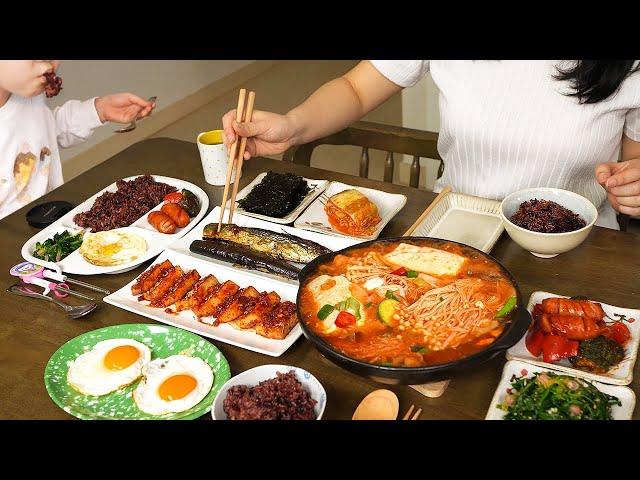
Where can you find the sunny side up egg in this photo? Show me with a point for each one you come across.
(173, 384)
(108, 366)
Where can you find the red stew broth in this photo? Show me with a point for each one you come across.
(378, 343)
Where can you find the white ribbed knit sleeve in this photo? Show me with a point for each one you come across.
(404, 73)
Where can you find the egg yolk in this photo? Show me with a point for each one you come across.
(176, 387)
(121, 357)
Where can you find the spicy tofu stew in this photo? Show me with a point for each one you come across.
(408, 303)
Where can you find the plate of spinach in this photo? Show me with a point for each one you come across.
(530, 392)
(59, 246)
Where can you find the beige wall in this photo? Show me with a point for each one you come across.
(170, 81)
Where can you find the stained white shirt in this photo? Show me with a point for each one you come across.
(29, 137)
(508, 125)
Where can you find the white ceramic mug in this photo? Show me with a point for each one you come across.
(214, 157)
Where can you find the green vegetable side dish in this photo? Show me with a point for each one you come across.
(162, 340)
(598, 355)
(507, 308)
(56, 248)
(550, 396)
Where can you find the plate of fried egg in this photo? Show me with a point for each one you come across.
(136, 372)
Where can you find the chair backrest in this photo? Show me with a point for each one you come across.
(368, 135)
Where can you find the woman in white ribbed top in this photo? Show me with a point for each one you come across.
(504, 125)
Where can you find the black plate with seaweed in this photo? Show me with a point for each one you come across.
(277, 195)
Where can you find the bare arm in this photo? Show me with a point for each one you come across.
(340, 102)
(329, 109)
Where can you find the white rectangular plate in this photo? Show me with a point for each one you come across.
(315, 219)
(517, 368)
(331, 242)
(225, 333)
(622, 374)
(156, 241)
(317, 187)
(473, 221)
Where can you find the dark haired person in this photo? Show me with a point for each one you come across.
(504, 125)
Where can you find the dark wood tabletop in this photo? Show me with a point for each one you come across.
(606, 268)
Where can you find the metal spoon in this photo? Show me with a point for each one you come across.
(132, 125)
(73, 311)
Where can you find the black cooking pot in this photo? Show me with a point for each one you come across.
(519, 320)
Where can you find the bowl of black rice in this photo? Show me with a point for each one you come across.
(271, 392)
(547, 221)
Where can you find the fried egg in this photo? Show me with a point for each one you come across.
(173, 384)
(108, 366)
(112, 248)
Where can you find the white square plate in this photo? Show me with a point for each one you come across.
(517, 368)
(473, 221)
(317, 187)
(315, 219)
(622, 374)
(226, 333)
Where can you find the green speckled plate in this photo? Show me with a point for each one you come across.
(163, 341)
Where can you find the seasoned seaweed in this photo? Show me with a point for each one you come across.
(276, 195)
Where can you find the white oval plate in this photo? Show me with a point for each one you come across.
(622, 374)
(156, 241)
(317, 187)
(256, 375)
(315, 219)
(517, 368)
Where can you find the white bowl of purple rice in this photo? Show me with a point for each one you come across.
(547, 221)
(271, 392)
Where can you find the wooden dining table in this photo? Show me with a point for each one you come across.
(606, 268)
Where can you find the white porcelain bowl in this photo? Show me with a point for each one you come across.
(547, 245)
(256, 375)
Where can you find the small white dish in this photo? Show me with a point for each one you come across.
(315, 218)
(517, 368)
(254, 376)
(156, 241)
(548, 245)
(316, 186)
(622, 374)
(226, 333)
(474, 221)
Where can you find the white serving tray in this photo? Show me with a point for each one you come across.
(315, 218)
(225, 333)
(473, 221)
(182, 245)
(156, 242)
(622, 374)
(517, 368)
(317, 187)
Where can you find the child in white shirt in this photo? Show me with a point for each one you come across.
(30, 132)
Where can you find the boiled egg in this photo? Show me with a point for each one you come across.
(108, 366)
(173, 384)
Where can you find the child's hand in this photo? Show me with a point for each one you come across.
(122, 108)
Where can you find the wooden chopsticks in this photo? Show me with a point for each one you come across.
(243, 114)
(410, 411)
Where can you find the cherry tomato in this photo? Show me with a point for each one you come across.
(620, 333)
(400, 271)
(344, 319)
(533, 342)
(173, 197)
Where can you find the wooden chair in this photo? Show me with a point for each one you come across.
(369, 135)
